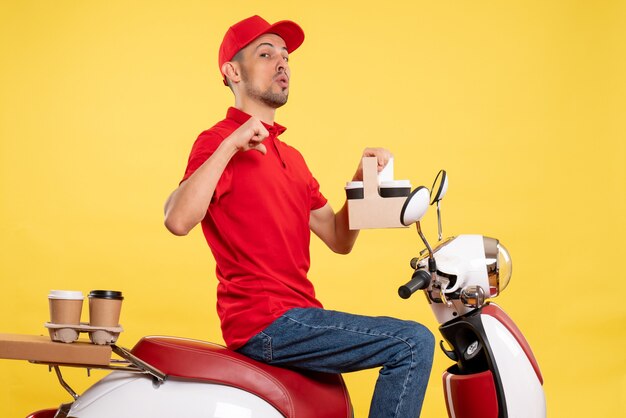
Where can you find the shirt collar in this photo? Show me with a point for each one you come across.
(241, 117)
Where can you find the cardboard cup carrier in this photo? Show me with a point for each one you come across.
(104, 314)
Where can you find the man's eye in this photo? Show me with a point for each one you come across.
(286, 59)
(265, 55)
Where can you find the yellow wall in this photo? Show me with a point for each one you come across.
(522, 102)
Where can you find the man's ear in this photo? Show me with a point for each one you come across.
(232, 71)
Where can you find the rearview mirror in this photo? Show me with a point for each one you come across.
(440, 187)
(415, 206)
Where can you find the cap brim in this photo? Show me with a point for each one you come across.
(291, 32)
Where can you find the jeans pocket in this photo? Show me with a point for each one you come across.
(258, 347)
(266, 342)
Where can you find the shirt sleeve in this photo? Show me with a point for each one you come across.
(202, 149)
(317, 198)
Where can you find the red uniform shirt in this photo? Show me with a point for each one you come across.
(257, 227)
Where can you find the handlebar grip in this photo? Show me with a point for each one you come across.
(420, 280)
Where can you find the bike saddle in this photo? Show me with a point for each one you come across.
(294, 394)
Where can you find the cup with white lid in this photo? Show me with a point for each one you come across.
(65, 306)
(354, 190)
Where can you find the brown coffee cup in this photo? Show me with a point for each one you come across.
(65, 306)
(104, 308)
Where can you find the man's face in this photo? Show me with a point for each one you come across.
(265, 70)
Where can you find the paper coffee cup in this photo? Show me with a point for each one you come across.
(104, 308)
(395, 188)
(65, 306)
(354, 190)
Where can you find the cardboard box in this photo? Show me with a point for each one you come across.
(374, 211)
(41, 349)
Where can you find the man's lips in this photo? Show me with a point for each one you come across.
(282, 80)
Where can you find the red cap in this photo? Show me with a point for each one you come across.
(241, 34)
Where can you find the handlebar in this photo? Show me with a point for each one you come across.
(420, 280)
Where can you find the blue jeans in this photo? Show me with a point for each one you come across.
(337, 342)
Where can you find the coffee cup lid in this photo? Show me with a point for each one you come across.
(395, 183)
(66, 294)
(354, 185)
(106, 294)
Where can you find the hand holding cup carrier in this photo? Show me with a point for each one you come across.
(387, 186)
(104, 313)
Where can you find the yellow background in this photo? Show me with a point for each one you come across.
(522, 102)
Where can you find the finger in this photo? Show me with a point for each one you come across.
(256, 145)
(261, 133)
(382, 156)
(369, 152)
(261, 148)
(383, 159)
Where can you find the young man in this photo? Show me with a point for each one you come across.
(257, 202)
